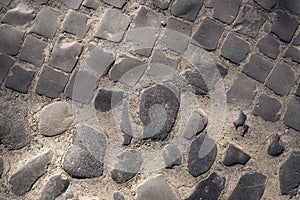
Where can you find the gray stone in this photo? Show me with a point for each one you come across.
(10, 39)
(234, 48)
(55, 186)
(5, 2)
(293, 52)
(157, 188)
(196, 80)
(113, 25)
(296, 40)
(292, 5)
(240, 120)
(72, 4)
(51, 82)
(18, 16)
(251, 185)
(160, 58)
(292, 115)
(55, 119)
(64, 55)
(107, 99)
(267, 4)
(115, 3)
(6, 63)
(275, 147)
(298, 91)
(146, 18)
(41, 1)
(208, 34)
(93, 4)
(196, 124)
(162, 4)
(46, 22)
(118, 196)
(33, 51)
(268, 108)
(202, 155)
(223, 71)
(125, 125)
(20, 79)
(269, 46)
(225, 10)
(75, 23)
(234, 155)
(209, 188)
(23, 179)
(1, 166)
(281, 79)
(171, 155)
(186, 9)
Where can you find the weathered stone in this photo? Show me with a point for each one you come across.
(196, 124)
(115, 3)
(269, 46)
(23, 179)
(75, 23)
(1, 166)
(118, 196)
(225, 10)
(107, 99)
(292, 5)
(292, 115)
(267, 4)
(5, 2)
(209, 188)
(275, 147)
(296, 40)
(125, 125)
(160, 58)
(223, 71)
(10, 39)
(293, 52)
(235, 156)
(6, 63)
(171, 155)
(18, 16)
(268, 108)
(240, 120)
(162, 4)
(72, 4)
(93, 4)
(196, 80)
(186, 9)
(41, 1)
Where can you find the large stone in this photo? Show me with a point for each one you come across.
(75, 23)
(186, 9)
(196, 80)
(235, 156)
(293, 52)
(162, 4)
(275, 147)
(73, 4)
(268, 108)
(225, 10)
(5, 2)
(292, 5)
(18, 16)
(10, 39)
(115, 3)
(292, 115)
(267, 4)
(269, 46)
(196, 124)
(171, 155)
(92, 4)
(107, 99)
(6, 63)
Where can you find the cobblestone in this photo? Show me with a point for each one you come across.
(118, 196)
(115, 3)
(291, 5)
(267, 4)
(293, 52)
(235, 156)
(275, 147)
(72, 4)
(92, 4)
(269, 46)
(18, 16)
(196, 80)
(75, 23)
(10, 39)
(6, 63)
(171, 155)
(268, 108)
(162, 4)
(225, 11)
(196, 124)
(187, 10)
(292, 117)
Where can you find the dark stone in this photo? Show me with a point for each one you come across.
(240, 120)
(5, 2)
(20, 79)
(125, 125)
(171, 155)
(6, 63)
(160, 58)
(235, 156)
(281, 79)
(275, 147)
(41, 1)
(250, 186)
(22, 180)
(269, 46)
(115, 3)
(296, 40)
(267, 4)
(293, 52)
(186, 9)
(128, 165)
(75, 23)
(18, 16)
(268, 108)
(202, 155)
(292, 5)
(292, 115)
(46, 22)
(118, 196)
(223, 71)
(72, 4)
(195, 79)
(1, 166)
(234, 48)
(51, 82)
(245, 130)
(225, 10)
(209, 188)
(93, 4)
(298, 91)
(208, 34)
(107, 99)
(289, 174)
(196, 124)
(55, 186)
(10, 39)
(162, 4)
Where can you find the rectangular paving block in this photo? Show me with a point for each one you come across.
(268, 108)
(116, 3)
(267, 4)
(225, 10)
(292, 5)
(6, 63)
(73, 4)
(293, 52)
(75, 23)
(18, 16)
(10, 39)
(186, 9)
(269, 46)
(292, 115)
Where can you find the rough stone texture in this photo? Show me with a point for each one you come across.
(73, 4)
(23, 179)
(51, 82)
(289, 174)
(115, 3)
(267, 4)
(33, 51)
(196, 124)
(55, 119)
(281, 79)
(209, 188)
(6, 63)
(41, 1)
(202, 155)
(293, 52)
(10, 39)
(269, 46)
(46, 22)
(268, 108)
(275, 147)
(20, 79)
(240, 120)
(125, 125)
(18, 16)
(292, 5)
(75, 23)
(234, 155)
(118, 196)
(171, 155)
(155, 188)
(225, 10)
(208, 34)
(292, 115)
(92, 4)
(186, 9)
(250, 186)
(196, 80)
(107, 99)
(162, 4)
(234, 48)
(5, 2)
(113, 25)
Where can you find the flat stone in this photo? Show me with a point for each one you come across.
(5, 2)
(107, 99)
(225, 10)
(186, 9)
(267, 4)
(209, 188)
(10, 39)
(289, 174)
(125, 125)
(234, 48)
(196, 80)
(284, 26)
(55, 119)
(113, 25)
(160, 58)
(127, 166)
(240, 120)
(116, 3)
(72, 4)
(46, 22)
(75, 23)
(235, 156)
(292, 5)
(202, 155)
(242, 92)
(41, 1)
(286, 76)
(196, 124)
(51, 82)
(146, 18)
(269, 46)
(6, 63)
(292, 115)
(20, 79)
(275, 147)
(18, 16)
(24, 178)
(33, 51)
(251, 185)
(208, 34)
(1, 166)
(92, 4)
(155, 188)
(171, 155)
(293, 52)
(223, 71)
(118, 196)
(162, 4)
(54, 187)
(64, 55)
(268, 108)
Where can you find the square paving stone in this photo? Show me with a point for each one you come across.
(208, 34)
(268, 108)
(73, 4)
(113, 25)
(292, 115)
(258, 68)
(267, 4)
(18, 16)
(51, 82)
(225, 10)
(75, 23)
(249, 21)
(93, 4)
(281, 79)
(33, 51)
(162, 4)
(293, 52)
(269, 46)
(115, 3)
(46, 22)
(234, 48)
(5, 64)
(10, 39)
(186, 9)
(292, 5)
(20, 79)
(284, 26)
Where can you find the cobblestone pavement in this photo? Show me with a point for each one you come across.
(149, 99)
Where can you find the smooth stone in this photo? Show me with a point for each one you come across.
(10, 39)
(186, 9)
(196, 124)
(18, 16)
(235, 156)
(240, 120)
(171, 155)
